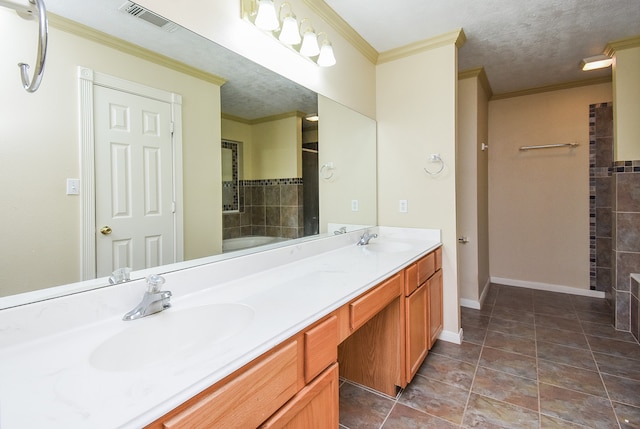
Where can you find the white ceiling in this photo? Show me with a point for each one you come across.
(521, 44)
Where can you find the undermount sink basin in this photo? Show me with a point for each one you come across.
(170, 334)
(388, 246)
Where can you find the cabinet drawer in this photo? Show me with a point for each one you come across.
(320, 348)
(410, 279)
(426, 267)
(364, 308)
(438, 253)
(249, 399)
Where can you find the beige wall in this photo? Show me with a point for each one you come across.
(416, 105)
(348, 140)
(270, 149)
(40, 150)
(539, 200)
(626, 77)
(472, 191)
(277, 149)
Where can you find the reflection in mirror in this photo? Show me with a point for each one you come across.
(42, 224)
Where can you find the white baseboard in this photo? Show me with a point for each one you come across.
(470, 303)
(547, 287)
(451, 337)
(476, 305)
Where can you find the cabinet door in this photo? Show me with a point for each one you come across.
(416, 330)
(435, 307)
(314, 407)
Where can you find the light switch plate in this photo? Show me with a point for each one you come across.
(73, 186)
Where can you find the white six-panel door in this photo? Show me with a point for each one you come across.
(133, 181)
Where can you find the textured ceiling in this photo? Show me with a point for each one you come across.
(521, 44)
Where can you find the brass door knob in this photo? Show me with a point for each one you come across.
(105, 230)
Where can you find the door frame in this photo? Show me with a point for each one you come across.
(87, 79)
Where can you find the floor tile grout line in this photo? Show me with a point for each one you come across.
(606, 390)
(475, 372)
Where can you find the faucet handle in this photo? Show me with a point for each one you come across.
(154, 283)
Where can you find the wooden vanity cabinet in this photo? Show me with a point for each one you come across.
(416, 323)
(379, 339)
(435, 307)
(283, 382)
(423, 310)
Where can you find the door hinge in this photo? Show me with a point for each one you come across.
(173, 206)
(171, 128)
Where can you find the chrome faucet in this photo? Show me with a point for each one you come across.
(364, 239)
(153, 301)
(342, 230)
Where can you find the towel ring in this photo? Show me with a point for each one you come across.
(435, 157)
(43, 35)
(326, 171)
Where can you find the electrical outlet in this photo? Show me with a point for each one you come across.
(404, 206)
(355, 206)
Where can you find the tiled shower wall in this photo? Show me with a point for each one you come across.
(625, 220)
(614, 220)
(600, 159)
(272, 207)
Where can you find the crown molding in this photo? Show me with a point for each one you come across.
(481, 75)
(285, 115)
(105, 39)
(618, 45)
(549, 88)
(341, 27)
(456, 37)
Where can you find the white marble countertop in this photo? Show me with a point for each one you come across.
(47, 378)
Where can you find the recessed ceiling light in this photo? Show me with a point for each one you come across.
(596, 62)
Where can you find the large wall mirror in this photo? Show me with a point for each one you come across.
(43, 218)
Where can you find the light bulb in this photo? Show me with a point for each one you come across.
(267, 19)
(290, 34)
(309, 46)
(326, 58)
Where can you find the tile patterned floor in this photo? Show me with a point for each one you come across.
(529, 359)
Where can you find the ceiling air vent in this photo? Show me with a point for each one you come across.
(130, 8)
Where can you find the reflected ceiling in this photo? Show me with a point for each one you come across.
(251, 91)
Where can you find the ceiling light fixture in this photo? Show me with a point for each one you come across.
(596, 62)
(284, 27)
(312, 117)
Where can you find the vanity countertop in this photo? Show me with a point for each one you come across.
(47, 378)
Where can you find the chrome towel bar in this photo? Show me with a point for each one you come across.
(548, 146)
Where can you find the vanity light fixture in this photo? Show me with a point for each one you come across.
(266, 19)
(284, 27)
(596, 62)
(309, 47)
(326, 57)
(290, 34)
